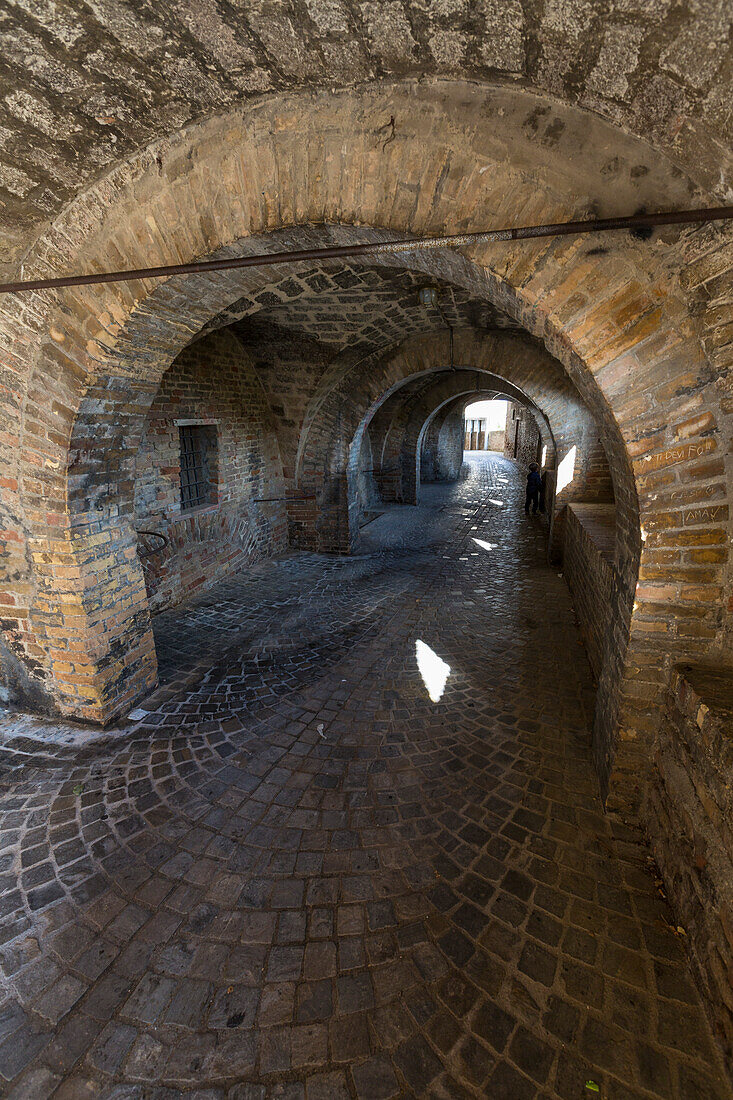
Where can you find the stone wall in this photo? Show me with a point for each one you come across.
(210, 382)
(366, 488)
(521, 437)
(589, 538)
(688, 813)
(450, 451)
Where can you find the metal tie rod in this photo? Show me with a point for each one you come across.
(385, 248)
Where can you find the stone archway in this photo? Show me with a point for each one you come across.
(385, 427)
(410, 415)
(607, 314)
(360, 388)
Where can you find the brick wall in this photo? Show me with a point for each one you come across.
(589, 537)
(591, 478)
(211, 381)
(367, 490)
(688, 812)
(441, 449)
(521, 437)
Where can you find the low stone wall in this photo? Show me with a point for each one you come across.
(588, 542)
(688, 813)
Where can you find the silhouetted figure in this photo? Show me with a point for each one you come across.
(534, 487)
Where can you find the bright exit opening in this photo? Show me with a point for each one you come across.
(484, 426)
(566, 469)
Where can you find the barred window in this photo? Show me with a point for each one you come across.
(198, 465)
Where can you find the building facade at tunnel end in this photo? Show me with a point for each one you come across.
(162, 433)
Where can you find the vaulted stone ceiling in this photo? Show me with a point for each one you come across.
(349, 305)
(86, 84)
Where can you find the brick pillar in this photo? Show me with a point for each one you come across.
(429, 451)
(409, 462)
(323, 515)
(93, 608)
(449, 456)
(387, 478)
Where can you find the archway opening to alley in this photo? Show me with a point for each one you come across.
(485, 427)
(346, 764)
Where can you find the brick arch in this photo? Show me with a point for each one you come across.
(396, 454)
(456, 408)
(386, 425)
(440, 430)
(571, 426)
(451, 412)
(422, 413)
(502, 389)
(410, 413)
(433, 464)
(463, 155)
(331, 434)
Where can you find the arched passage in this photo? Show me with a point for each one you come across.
(447, 422)
(608, 316)
(387, 427)
(408, 421)
(521, 367)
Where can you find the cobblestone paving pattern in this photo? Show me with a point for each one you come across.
(296, 876)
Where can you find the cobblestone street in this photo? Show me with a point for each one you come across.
(318, 863)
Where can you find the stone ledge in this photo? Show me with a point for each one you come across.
(705, 695)
(588, 541)
(599, 524)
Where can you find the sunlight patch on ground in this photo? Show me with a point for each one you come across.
(485, 545)
(434, 671)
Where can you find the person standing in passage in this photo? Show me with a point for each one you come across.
(534, 485)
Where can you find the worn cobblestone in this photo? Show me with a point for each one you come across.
(298, 876)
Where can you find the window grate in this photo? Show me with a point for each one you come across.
(196, 474)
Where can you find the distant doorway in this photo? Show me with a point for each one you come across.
(485, 426)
